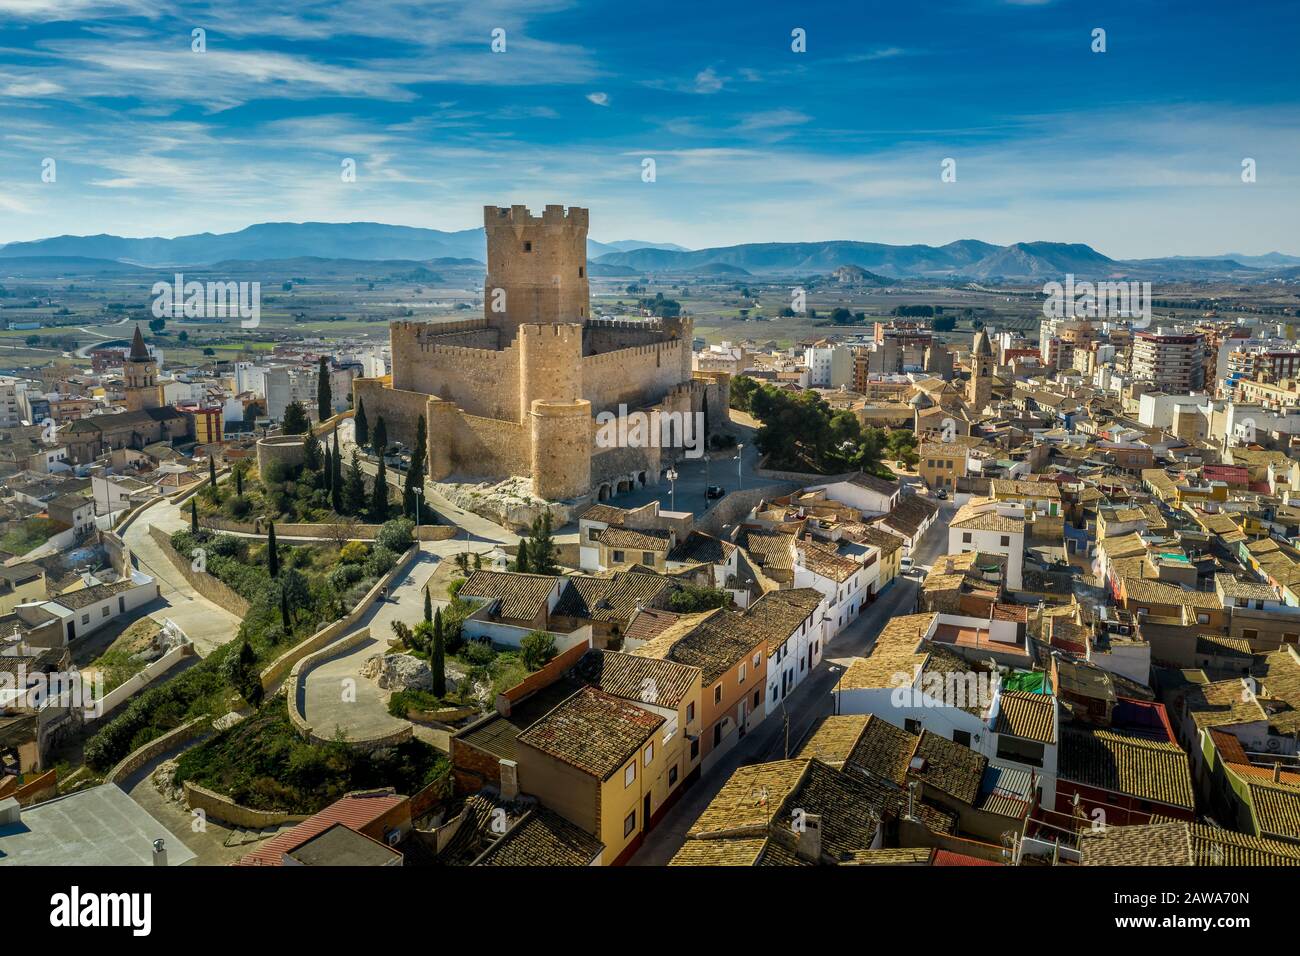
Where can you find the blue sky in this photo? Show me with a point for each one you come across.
(1136, 151)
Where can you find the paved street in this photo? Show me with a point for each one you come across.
(811, 700)
(694, 476)
(207, 625)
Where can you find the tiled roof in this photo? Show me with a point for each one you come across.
(834, 738)
(1031, 716)
(700, 548)
(543, 838)
(1151, 844)
(716, 645)
(614, 598)
(826, 561)
(896, 651)
(1159, 592)
(910, 512)
(1214, 847)
(645, 679)
(91, 595)
(522, 596)
(971, 518)
(882, 539)
(770, 550)
(1123, 763)
(883, 751)
(632, 539)
(648, 623)
(778, 614)
(1222, 704)
(593, 732)
(1005, 487)
(355, 811)
(606, 514)
(879, 485)
(948, 766)
(1277, 808)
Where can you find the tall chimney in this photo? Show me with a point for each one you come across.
(509, 779)
(808, 843)
(159, 853)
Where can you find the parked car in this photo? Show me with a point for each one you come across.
(941, 495)
(905, 566)
(715, 491)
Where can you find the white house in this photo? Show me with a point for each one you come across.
(793, 621)
(841, 579)
(991, 527)
(86, 610)
(867, 493)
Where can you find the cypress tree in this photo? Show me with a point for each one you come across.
(381, 438)
(324, 400)
(361, 426)
(272, 555)
(336, 477)
(239, 481)
(379, 493)
(212, 472)
(284, 612)
(194, 516)
(521, 561)
(439, 662)
(428, 606)
(354, 489)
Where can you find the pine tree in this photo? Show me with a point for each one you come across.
(439, 662)
(379, 493)
(428, 606)
(336, 477)
(361, 427)
(381, 438)
(354, 488)
(541, 549)
(295, 419)
(272, 554)
(324, 400)
(194, 516)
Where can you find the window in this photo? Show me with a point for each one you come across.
(581, 270)
(1247, 634)
(649, 754)
(757, 698)
(690, 712)
(647, 557)
(103, 611)
(629, 774)
(1202, 619)
(1005, 541)
(965, 537)
(672, 775)
(717, 733)
(961, 737)
(85, 619)
(618, 556)
(758, 659)
(528, 247)
(742, 673)
(629, 824)
(1020, 750)
(695, 748)
(717, 694)
(912, 725)
(771, 692)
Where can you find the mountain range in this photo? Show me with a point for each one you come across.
(373, 242)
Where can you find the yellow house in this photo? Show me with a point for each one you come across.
(942, 463)
(21, 584)
(889, 549)
(595, 760)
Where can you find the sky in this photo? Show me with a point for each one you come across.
(1137, 150)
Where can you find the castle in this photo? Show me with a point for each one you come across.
(517, 392)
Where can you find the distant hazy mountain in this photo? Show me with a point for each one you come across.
(967, 257)
(286, 240)
(1270, 260)
(47, 266)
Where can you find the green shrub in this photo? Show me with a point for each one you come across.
(537, 648)
(396, 535)
(478, 653)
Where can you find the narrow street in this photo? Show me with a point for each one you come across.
(810, 701)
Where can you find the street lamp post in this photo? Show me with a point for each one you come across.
(672, 487)
(419, 497)
(740, 461)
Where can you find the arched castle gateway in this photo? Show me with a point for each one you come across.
(517, 391)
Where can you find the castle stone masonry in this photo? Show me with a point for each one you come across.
(517, 391)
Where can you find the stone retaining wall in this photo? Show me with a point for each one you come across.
(156, 747)
(208, 585)
(735, 507)
(276, 670)
(320, 531)
(218, 807)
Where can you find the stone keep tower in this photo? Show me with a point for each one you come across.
(536, 267)
(140, 372)
(979, 390)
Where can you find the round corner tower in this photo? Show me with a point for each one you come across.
(560, 453)
(536, 267)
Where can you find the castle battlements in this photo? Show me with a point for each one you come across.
(553, 215)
